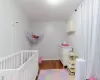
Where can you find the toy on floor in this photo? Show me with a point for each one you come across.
(40, 60)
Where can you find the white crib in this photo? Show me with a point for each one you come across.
(19, 66)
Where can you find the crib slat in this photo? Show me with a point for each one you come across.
(15, 62)
(9, 63)
(5, 64)
(22, 58)
(1, 66)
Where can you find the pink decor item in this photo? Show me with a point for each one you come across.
(40, 60)
(92, 78)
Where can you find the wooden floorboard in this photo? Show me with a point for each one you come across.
(50, 64)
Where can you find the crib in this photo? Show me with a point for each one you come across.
(22, 65)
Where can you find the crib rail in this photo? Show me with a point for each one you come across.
(14, 61)
(19, 66)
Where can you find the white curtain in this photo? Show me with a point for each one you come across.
(90, 36)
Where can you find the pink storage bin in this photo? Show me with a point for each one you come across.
(64, 44)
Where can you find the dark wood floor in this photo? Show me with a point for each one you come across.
(51, 64)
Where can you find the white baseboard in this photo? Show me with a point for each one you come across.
(51, 59)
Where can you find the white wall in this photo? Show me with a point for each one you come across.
(75, 39)
(54, 33)
(12, 35)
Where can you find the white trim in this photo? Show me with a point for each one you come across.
(50, 59)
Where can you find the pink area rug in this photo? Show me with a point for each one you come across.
(53, 74)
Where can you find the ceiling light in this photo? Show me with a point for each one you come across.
(55, 2)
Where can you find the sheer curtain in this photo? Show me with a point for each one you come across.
(90, 36)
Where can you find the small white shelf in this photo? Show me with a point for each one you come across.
(71, 62)
(71, 26)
